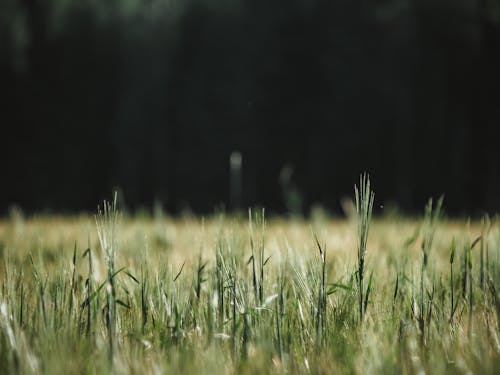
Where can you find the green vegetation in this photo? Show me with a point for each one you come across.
(242, 294)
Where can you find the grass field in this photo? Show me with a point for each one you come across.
(247, 294)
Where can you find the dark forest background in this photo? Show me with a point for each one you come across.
(153, 96)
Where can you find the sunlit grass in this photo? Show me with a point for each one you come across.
(230, 294)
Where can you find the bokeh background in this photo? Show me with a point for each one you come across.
(153, 96)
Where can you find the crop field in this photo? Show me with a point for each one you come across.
(247, 293)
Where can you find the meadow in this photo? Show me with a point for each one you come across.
(246, 293)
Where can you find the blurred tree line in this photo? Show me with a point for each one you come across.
(152, 96)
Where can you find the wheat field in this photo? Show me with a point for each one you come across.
(246, 293)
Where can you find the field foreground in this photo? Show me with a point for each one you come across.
(239, 295)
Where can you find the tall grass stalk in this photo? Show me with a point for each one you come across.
(453, 306)
(470, 247)
(432, 215)
(72, 285)
(364, 205)
(321, 303)
(483, 272)
(88, 283)
(107, 223)
(280, 312)
(258, 262)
